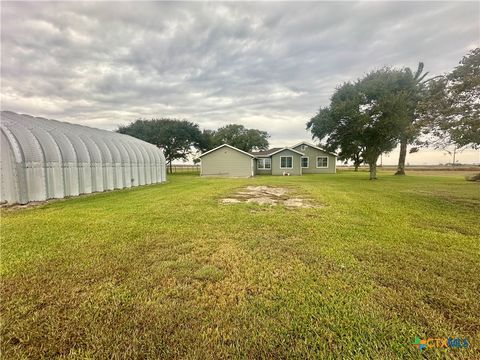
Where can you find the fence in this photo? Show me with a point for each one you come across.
(184, 169)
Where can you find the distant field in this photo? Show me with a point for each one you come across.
(423, 171)
(166, 271)
(184, 169)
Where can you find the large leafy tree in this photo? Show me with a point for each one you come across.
(384, 109)
(207, 140)
(342, 138)
(451, 111)
(237, 136)
(367, 116)
(175, 137)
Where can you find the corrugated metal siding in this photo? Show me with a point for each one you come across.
(312, 154)
(43, 159)
(226, 161)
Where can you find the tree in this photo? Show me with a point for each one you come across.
(175, 137)
(413, 84)
(207, 140)
(367, 116)
(237, 136)
(451, 111)
(386, 106)
(340, 139)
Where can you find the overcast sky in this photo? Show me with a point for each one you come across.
(264, 65)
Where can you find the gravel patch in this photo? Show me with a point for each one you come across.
(268, 195)
(230, 201)
(262, 201)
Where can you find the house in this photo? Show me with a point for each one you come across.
(278, 161)
(227, 160)
(303, 158)
(316, 160)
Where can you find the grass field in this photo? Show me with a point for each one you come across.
(165, 271)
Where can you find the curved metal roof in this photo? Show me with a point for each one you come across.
(43, 159)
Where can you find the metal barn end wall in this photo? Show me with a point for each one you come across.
(44, 159)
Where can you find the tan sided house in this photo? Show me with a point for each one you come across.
(303, 158)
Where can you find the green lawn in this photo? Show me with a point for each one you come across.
(165, 271)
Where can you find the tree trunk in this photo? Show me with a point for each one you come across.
(403, 156)
(170, 165)
(373, 171)
(357, 161)
(372, 163)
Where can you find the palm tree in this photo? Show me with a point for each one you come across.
(415, 87)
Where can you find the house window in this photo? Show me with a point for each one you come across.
(322, 161)
(264, 164)
(305, 162)
(286, 162)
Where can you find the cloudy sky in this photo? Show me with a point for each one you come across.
(264, 65)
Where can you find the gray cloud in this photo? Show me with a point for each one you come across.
(265, 65)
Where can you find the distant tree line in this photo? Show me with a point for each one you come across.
(388, 107)
(181, 138)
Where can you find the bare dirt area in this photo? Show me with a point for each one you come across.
(269, 195)
(13, 207)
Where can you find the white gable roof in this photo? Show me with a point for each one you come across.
(286, 148)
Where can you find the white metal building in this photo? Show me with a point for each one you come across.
(44, 159)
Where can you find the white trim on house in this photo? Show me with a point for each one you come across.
(230, 146)
(286, 148)
(313, 146)
(288, 156)
(264, 161)
(321, 167)
(308, 162)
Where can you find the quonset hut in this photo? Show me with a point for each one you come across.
(44, 159)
